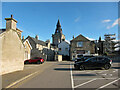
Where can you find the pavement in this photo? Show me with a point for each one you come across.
(62, 75)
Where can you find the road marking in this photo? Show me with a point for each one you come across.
(78, 71)
(72, 82)
(85, 83)
(102, 71)
(91, 71)
(91, 78)
(21, 79)
(104, 74)
(114, 71)
(108, 84)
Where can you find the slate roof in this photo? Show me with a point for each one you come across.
(2, 30)
(53, 46)
(79, 36)
(38, 41)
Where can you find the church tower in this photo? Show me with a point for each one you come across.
(58, 36)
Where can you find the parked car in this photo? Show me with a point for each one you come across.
(83, 58)
(37, 60)
(94, 62)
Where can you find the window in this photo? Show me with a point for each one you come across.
(59, 49)
(93, 60)
(79, 44)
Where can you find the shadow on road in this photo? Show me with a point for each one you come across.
(115, 67)
(84, 74)
(63, 69)
(73, 69)
(65, 64)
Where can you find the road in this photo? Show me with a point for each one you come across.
(63, 75)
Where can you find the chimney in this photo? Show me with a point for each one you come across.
(23, 37)
(37, 37)
(73, 37)
(10, 23)
(48, 43)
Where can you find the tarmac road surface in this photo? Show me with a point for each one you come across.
(63, 75)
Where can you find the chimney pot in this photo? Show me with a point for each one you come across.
(73, 37)
(36, 37)
(23, 37)
(11, 16)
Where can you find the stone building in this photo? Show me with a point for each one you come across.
(58, 36)
(81, 45)
(11, 47)
(41, 48)
(28, 48)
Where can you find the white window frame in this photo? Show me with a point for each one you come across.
(78, 44)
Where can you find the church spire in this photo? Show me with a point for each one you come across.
(58, 36)
(58, 23)
(58, 27)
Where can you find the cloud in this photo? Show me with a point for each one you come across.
(77, 19)
(105, 21)
(116, 22)
(91, 39)
(108, 27)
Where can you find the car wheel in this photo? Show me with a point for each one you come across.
(27, 62)
(82, 67)
(107, 66)
(76, 68)
(38, 62)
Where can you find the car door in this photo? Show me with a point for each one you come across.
(100, 62)
(91, 63)
(34, 59)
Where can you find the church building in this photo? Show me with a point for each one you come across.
(58, 36)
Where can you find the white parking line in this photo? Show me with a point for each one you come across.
(91, 78)
(91, 71)
(114, 71)
(72, 82)
(85, 83)
(103, 71)
(108, 84)
(78, 71)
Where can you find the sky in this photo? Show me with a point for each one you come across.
(91, 19)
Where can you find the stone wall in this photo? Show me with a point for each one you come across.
(12, 52)
(58, 58)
